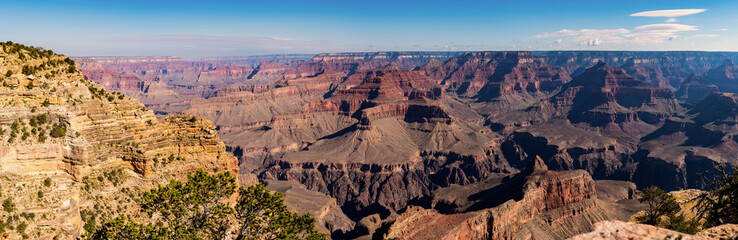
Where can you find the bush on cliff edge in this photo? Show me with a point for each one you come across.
(200, 209)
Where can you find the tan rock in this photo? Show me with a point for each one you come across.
(618, 230)
(722, 232)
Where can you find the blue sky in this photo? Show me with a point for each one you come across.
(229, 28)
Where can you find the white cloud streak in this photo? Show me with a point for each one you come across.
(672, 13)
(641, 35)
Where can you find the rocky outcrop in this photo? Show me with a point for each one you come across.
(625, 230)
(722, 232)
(724, 78)
(350, 62)
(649, 67)
(604, 94)
(549, 205)
(498, 80)
(167, 84)
(689, 145)
(253, 61)
(613, 191)
(330, 218)
(695, 88)
(596, 122)
(67, 146)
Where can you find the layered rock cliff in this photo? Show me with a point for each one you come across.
(695, 143)
(540, 204)
(71, 152)
(390, 126)
(366, 130)
(500, 81)
(720, 79)
(594, 123)
(654, 68)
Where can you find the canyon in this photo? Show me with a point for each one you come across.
(393, 145)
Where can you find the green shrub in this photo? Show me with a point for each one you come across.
(42, 118)
(719, 204)
(41, 136)
(659, 203)
(58, 130)
(8, 205)
(21, 228)
(200, 209)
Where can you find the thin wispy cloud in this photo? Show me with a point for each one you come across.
(721, 30)
(706, 35)
(672, 13)
(641, 35)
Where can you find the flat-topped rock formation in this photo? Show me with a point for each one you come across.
(723, 78)
(602, 97)
(652, 67)
(167, 84)
(499, 81)
(407, 60)
(322, 207)
(594, 123)
(692, 144)
(350, 62)
(253, 61)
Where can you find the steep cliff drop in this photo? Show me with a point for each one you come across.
(70, 151)
(537, 204)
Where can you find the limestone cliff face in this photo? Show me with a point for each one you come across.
(492, 75)
(689, 145)
(649, 67)
(381, 139)
(67, 146)
(552, 205)
(719, 79)
(595, 122)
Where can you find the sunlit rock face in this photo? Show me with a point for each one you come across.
(67, 146)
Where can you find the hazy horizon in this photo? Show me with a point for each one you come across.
(315, 54)
(192, 29)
